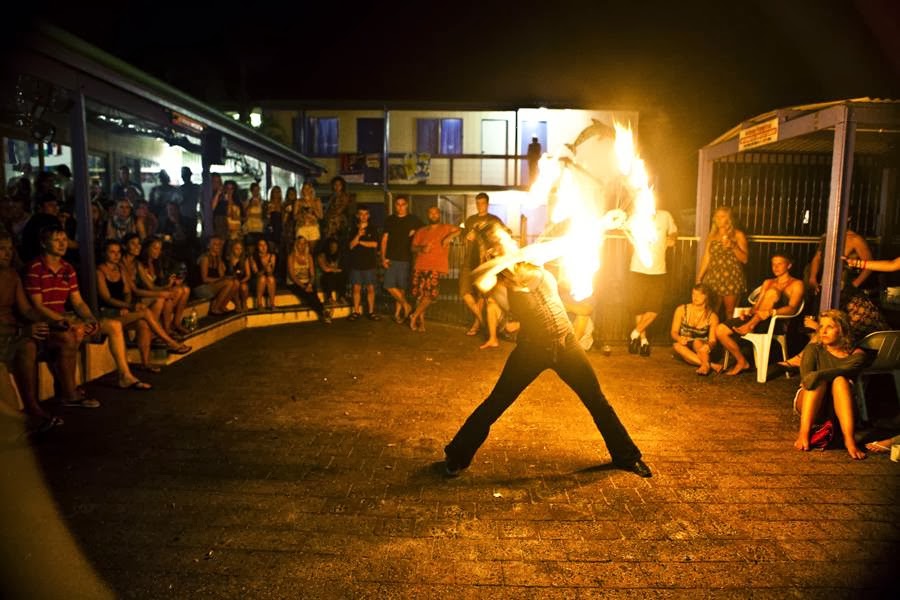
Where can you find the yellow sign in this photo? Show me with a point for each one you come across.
(758, 135)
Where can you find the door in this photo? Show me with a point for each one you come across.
(530, 130)
(493, 141)
(370, 142)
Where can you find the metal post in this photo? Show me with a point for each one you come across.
(81, 183)
(268, 179)
(704, 203)
(838, 207)
(385, 150)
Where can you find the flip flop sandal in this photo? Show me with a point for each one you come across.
(353, 316)
(876, 448)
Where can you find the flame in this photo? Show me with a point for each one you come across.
(584, 197)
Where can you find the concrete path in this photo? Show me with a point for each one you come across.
(303, 461)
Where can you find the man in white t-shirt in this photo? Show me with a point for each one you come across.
(648, 280)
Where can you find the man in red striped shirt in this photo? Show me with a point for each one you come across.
(51, 283)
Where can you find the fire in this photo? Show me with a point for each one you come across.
(606, 187)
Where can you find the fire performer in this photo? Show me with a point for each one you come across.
(545, 341)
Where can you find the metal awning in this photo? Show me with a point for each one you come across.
(72, 64)
(842, 128)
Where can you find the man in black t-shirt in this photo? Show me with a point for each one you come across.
(363, 263)
(396, 255)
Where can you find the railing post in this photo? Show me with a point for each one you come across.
(704, 203)
(80, 180)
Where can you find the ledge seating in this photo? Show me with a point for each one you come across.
(95, 360)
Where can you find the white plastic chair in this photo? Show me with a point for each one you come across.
(762, 342)
(887, 344)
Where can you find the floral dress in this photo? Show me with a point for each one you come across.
(725, 273)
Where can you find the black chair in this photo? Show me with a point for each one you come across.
(887, 361)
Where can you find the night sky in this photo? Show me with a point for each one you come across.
(693, 69)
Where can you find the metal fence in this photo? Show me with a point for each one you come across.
(613, 318)
(787, 194)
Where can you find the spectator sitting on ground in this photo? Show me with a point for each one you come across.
(51, 282)
(151, 276)
(237, 267)
(262, 266)
(115, 299)
(19, 340)
(826, 369)
(302, 277)
(781, 295)
(694, 331)
(214, 284)
(331, 275)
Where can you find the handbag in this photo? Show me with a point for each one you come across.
(821, 435)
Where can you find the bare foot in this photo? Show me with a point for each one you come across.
(738, 368)
(716, 367)
(879, 447)
(702, 370)
(489, 344)
(474, 329)
(802, 443)
(855, 453)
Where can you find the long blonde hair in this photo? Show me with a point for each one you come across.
(729, 230)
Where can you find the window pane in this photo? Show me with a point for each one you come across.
(451, 136)
(322, 136)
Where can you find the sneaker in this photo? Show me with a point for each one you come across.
(634, 345)
(81, 403)
(645, 350)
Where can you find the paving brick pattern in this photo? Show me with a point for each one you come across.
(302, 461)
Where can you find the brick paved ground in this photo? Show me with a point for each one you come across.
(301, 461)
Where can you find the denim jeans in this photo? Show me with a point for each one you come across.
(525, 363)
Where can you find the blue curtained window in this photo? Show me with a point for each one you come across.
(322, 136)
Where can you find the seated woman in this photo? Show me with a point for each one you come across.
(332, 276)
(115, 299)
(237, 267)
(262, 266)
(694, 331)
(301, 278)
(214, 284)
(131, 252)
(150, 277)
(825, 389)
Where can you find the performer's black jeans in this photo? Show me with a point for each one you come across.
(524, 364)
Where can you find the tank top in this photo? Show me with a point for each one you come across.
(301, 270)
(116, 290)
(541, 313)
(254, 222)
(693, 332)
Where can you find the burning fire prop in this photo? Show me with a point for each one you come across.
(594, 185)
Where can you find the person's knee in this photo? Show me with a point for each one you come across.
(111, 327)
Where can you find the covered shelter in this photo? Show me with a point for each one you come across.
(64, 95)
(796, 173)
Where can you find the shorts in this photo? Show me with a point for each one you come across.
(205, 291)
(426, 284)
(366, 277)
(397, 275)
(646, 292)
(467, 284)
